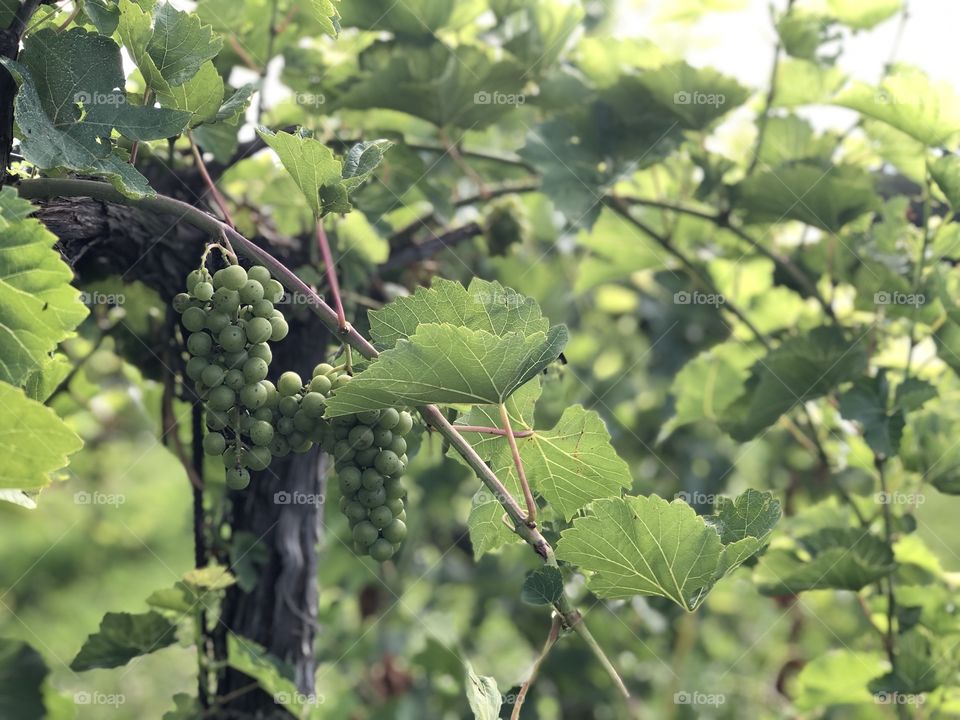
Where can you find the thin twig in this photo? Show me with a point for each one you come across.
(518, 463)
(552, 637)
(208, 181)
(493, 430)
(331, 269)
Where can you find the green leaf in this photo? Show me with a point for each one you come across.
(104, 14)
(910, 102)
(485, 305)
(34, 442)
(695, 96)
(930, 448)
(945, 172)
(837, 558)
(863, 16)
(235, 105)
(168, 46)
(313, 167)
(446, 364)
(22, 676)
(752, 514)
(824, 197)
(201, 95)
(411, 17)
(918, 666)
(617, 250)
(913, 393)
(543, 586)
(482, 694)
(38, 306)
(186, 707)
(122, 637)
(327, 15)
(361, 160)
(647, 546)
(274, 676)
(839, 677)
(210, 578)
(801, 369)
(866, 402)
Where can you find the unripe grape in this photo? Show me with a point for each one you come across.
(253, 396)
(289, 384)
(402, 516)
(395, 505)
(202, 291)
(381, 550)
(299, 442)
(194, 277)
(368, 417)
(258, 330)
(288, 406)
(361, 437)
(258, 273)
(217, 420)
(349, 480)
(395, 532)
(303, 422)
(212, 375)
(181, 301)
(381, 516)
(340, 432)
(272, 395)
(279, 447)
(398, 446)
(355, 512)
(231, 277)
(405, 424)
(382, 438)
(285, 425)
(388, 463)
(221, 398)
(341, 380)
(321, 384)
(313, 404)
(251, 292)
(195, 367)
(342, 451)
(394, 489)
(255, 369)
(365, 458)
(234, 380)
(232, 339)
(200, 344)
(214, 444)
(258, 457)
(371, 479)
(372, 498)
(272, 290)
(261, 432)
(322, 369)
(232, 457)
(262, 351)
(235, 360)
(360, 550)
(238, 478)
(217, 321)
(194, 319)
(279, 329)
(264, 414)
(226, 301)
(389, 418)
(364, 532)
(263, 309)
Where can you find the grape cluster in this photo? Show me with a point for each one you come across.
(370, 454)
(231, 318)
(299, 410)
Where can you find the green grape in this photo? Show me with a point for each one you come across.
(285, 426)
(368, 417)
(262, 351)
(388, 463)
(405, 425)
(361, 437)
(231, 277)
(258, 330)
(202, 291)
(181, 301)
(234, 380)
(343, 452)
(402, 516)
(382, 550)
(395, 505)
(258, 458)
(263, 309)
(232, 339)
(342, 504)
(313, 404)
(272, 291)
(222, 398)
(255, 369)
(394, 489)
(382, 438)
(365, 458)
(214, 444)
(259, 273)
(264, 414)
(303, 422)
(194, 277)
(355, 512)
(364, 532)
(288, 406)
(389, 419)
(395, 532)
(289, 384)
(371, 479)
(360, 550)
(321, 384)
(372, 498)
(238, 478)
(246, 422)
(279, 329)
(380, 517)
(195, 367)
(349, 479)
(235, 360)
(199, 343)
(398, 446)
(194, 319)
(341, 380)
(232, 457)
(217, 321)
(217, 420)
(212, 375)
(226, 301)
(299, 442)
(322, 369)
(261, 432)
(254, 396)
(279, 447)
(272, 396)
(251, 292)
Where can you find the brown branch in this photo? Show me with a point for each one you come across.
(518, 463)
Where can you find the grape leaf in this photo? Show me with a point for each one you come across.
(838, 558)
(22, 675)
(361, 160)
(122, 637)
(273, 675)
(411, 17)
(485, 305)
(839, 677)
(168, 45)
(104, 14)
(945, 172)
(909, 101)
(866, 403)
(918, 667)
(647, 546)
(750, 515)
(446, 364)
(328, 16)
(482, 694)
(201, 95)
(543, 586)
(38, 306)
